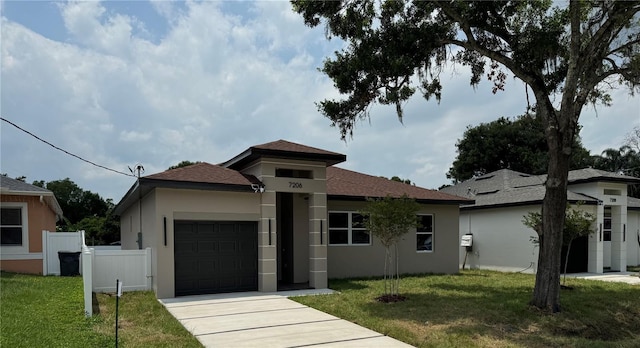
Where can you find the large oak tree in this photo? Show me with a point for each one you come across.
(518, 144)
(566, 54)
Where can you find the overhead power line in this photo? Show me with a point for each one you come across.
(63, 150)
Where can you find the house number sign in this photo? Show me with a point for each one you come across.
(295, 184)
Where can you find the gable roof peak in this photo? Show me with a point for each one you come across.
(286, 150)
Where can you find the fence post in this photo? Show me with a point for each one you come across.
(87, 279)
(82, 247)
(147, 271)
(45, 246)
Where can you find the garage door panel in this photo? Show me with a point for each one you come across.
(227, 228)
(207, 247)
(212, 257)
(247, 245)
(229, 247)
(186, 247)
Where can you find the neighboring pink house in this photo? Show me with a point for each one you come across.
(26, 210)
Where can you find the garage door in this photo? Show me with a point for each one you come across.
(215, 256)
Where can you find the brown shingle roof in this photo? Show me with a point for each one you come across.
(283, 145)
(203, 173)
(342, 182)
(283, 149)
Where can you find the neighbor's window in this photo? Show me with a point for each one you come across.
(347, 228)
(11, 226)
(424, 233)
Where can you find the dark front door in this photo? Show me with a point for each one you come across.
(215, 256)
(578, 256)
(284, 207)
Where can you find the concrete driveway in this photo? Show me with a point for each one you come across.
(620, 277)
(255, 319)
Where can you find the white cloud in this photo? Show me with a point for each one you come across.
(133, 136)
(214, 84)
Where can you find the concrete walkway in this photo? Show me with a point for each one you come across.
(255, 319)
(620, 277)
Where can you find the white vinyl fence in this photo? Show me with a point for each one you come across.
(101, 269)
(52, 243)
(100, 266)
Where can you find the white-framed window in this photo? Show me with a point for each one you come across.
(347, 228)
(424, 233)
(607, 224)
(14, 231)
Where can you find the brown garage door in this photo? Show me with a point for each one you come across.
(215, 256)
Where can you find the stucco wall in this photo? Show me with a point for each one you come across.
(40, 217)
(368, 260)
(633, 237)
(22, 266)
(500, 240)
(192, 205)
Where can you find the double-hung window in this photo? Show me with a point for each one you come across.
(13, 227)
(424, 233)
(347, 228)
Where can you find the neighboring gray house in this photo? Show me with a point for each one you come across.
(502, 242)
(276, 216)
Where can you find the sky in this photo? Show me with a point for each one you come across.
(122, 83)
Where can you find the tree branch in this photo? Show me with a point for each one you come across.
(530, 78)
(625, 46)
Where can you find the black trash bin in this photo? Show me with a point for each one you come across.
(69, 263)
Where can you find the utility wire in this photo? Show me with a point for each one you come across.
(63, 150)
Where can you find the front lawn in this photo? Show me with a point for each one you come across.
(37, 311)
(488, 309)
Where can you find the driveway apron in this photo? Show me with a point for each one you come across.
(262, 320)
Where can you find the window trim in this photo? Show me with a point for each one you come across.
(432, 233)
(24, 248)
(349, 228)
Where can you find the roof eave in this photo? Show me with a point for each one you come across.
(521, 203)
(419, 200)
(144, 185)
(48, 195)
(628, 181)
(253, 154)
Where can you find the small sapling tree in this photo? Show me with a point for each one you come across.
(388, 219)
(577, 223)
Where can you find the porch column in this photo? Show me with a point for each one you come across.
(318, 239)
(267, 265)
(596, 246)
(618, 238)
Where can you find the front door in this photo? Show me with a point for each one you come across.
(284, 211)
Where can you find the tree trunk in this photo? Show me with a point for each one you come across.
(386, 270)
(566, 262)
(546, 294)
(397, 281)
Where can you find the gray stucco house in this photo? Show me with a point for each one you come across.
(502, 242)
(276, 216)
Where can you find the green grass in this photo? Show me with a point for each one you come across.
(37, 311)
(489, 309)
